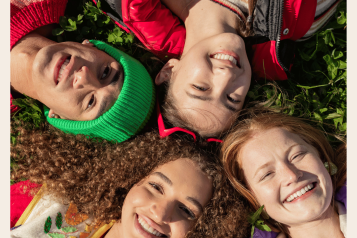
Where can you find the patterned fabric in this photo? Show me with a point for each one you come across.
(46, 217)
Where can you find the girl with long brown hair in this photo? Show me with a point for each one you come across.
(280, 162)
(145, 187)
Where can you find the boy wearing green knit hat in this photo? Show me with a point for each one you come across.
(90, 88)
(130, 111)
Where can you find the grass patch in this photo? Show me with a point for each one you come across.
(316, 89)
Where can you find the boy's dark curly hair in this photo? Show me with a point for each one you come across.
(97, 176)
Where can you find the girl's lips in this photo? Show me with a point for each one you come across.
(58, 67)
(304, 196)
(143, 232)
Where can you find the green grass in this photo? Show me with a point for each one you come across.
(316, 89)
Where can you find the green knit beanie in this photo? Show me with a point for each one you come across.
(130, 112)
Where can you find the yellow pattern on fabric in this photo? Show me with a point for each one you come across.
(31, 206)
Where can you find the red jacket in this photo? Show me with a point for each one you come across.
(163, 33)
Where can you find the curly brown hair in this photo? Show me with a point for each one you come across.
(261, 120)
(97, 176)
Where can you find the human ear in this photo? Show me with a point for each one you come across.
(86, 42)
(165, 73)
(52, 114)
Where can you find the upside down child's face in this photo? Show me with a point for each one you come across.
(76, 81)
(210, 82)
(167, 202)
(287, 176)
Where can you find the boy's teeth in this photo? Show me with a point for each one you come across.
(299, 193)
(65, 63)
(148, 228)
(225, 57)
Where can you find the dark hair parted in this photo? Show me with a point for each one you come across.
(262, 120)
(97, 176)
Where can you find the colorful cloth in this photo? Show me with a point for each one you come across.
(45, 217)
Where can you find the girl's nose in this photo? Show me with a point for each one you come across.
(291, 174)
(162, 211)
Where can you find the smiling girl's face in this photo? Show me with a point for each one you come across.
(287, 176)
(167, 202)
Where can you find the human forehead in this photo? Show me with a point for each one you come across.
(268, 143)
(186, 177)
(209, 117)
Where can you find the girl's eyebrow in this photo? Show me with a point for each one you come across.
(163, 177)
(195, 203)
(190, 199)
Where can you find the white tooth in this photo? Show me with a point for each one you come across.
(295, 195)
(231, 58)
(146, 226)
(306, 188)
(310, 186)
(226, 57)
(151, 230)
(302, 191)
(234, 61)
(299, 193)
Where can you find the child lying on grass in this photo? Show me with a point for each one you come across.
(288, 166)
(147, 187)
(211, 78)
(89, 88)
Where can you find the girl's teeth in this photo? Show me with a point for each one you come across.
(225, 57)
(148, 228)
(299, 193)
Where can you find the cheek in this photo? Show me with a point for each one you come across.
(181, 228)
(267, 195)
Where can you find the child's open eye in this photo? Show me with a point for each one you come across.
(91, 101)
(188, 212)
(106, 72)
(157, 187)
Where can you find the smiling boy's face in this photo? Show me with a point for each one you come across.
(76, 81)
(167, 202)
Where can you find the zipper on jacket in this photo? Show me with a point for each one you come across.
(278, 39)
